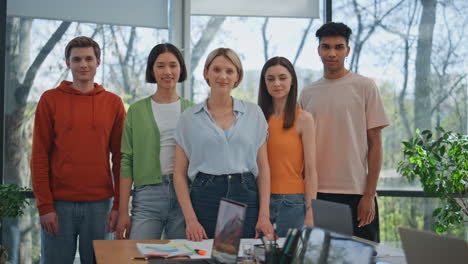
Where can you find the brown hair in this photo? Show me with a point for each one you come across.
(228, 54)
(265, 101)
(83, 42)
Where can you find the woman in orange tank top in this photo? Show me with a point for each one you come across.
(291, 147)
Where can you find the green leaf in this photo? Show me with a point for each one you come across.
(13, 200)
(441, 165)
(407, 144)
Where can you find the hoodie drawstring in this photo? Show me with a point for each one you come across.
(66, 87)
(70, 104)
(94, 114)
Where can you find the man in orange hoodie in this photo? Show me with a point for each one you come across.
(77, 126)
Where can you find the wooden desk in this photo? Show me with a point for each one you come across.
(119, 251)
(122, 252)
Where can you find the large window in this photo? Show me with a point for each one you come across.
(388, 43)
(33, 69)
(414, 50)
(256, 40)
(384, 46)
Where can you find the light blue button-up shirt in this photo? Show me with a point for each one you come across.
(210, 150)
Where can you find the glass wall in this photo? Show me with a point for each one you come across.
(36, 63)
(385, 46)
(255, 39)
(415, 52)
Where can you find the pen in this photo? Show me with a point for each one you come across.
(189, 248)
(150, 247)
(287, 246)
(200, 252)
(140, 258)
(274, 232)
(196, 251)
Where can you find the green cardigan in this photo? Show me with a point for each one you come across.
(141, 144)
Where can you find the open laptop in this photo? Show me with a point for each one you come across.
(332, 216)
(423, 247)
(228, 233)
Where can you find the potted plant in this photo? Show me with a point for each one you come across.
(12, 204)
(441, 165)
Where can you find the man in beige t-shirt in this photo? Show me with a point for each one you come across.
(349, 117)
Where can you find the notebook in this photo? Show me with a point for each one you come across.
(332, 216)
(423, 247)
(228, 233)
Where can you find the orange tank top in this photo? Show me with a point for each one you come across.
(286, 157)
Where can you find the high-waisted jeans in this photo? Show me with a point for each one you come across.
(156, 211)
(207, 190)
(287, 211)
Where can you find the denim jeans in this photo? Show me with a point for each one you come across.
(156, 211)
(207, 190)
(287, 211)
(83, 220)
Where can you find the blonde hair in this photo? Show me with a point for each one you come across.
(231, 56)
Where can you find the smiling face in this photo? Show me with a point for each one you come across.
(278, 81)
(333, 51)
(221, 75)
(166, 70)
(82, 63)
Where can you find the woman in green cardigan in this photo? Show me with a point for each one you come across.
(148, 148)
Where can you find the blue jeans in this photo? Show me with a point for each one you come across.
(156, 211)
(207, 190)
(83, 220)
(287, 211)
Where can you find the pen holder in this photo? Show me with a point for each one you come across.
(270, 256)
(285, 258)
(259, 252)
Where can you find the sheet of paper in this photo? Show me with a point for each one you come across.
(163, 250)
(203, 245)
(206, 245)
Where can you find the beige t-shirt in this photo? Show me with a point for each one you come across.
(343, 109)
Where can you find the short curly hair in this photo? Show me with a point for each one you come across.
(332, 29)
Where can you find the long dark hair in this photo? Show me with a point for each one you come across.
(265, 101)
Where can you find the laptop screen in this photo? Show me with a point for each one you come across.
(228, 232)
(443, 249)
(332, 216)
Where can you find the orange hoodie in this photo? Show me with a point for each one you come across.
(74, 133)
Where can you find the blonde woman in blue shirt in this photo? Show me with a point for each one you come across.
(221, 147)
